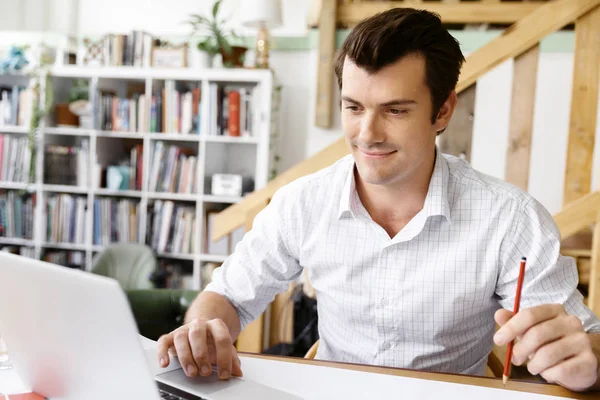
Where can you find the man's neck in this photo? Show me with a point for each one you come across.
(393, 206)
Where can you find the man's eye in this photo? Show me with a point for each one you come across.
(396, 111)
(352, 108)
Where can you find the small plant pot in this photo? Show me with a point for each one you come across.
(64, 116)
(199, 59)
(235, 58)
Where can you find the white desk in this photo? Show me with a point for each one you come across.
(314, 379)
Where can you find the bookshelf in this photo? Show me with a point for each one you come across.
(76, 217)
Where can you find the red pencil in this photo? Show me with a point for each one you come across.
(507, 363)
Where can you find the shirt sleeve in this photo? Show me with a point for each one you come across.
(550, 278)
(264, 262)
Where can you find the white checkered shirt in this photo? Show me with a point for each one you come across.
(422, 300)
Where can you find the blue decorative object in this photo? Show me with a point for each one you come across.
(14, 61)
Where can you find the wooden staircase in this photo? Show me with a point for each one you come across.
(521, 42)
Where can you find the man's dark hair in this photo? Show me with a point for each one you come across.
(383, 39)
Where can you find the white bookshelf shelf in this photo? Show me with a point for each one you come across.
(184, 257)
(118, 193)
(231, 139)
(119, 134)
(13, 129)
(67, 131)
(172, 196)
(65, 189)
(174, 137)
(17, 241)
(17, 186)
(213, 154)
(209, 198)
(65, 246)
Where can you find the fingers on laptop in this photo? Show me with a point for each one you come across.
(199, 345)
(223, 345)
(164, 344)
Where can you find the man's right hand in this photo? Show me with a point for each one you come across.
(199, 345)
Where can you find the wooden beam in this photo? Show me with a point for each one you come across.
(458, 137)
(314, 13)
(584, 106)
(234, 216)
(282, 318)
(461, 13)
(523, 35)
(518, 154)
(327, 25)
(578, 215)
(594, 284)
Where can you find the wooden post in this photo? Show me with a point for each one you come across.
(521, 118)
(327, 25)
(282, 318)
(594, 285)
(458, 137)
(250, 340)
(584, 106)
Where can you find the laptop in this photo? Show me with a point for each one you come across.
(71, 335)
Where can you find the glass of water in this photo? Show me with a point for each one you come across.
(5, 362)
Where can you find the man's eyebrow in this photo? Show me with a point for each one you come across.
(394, 102)
(349, 100)
(398, 102)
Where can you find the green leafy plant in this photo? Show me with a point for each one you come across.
(218, 37)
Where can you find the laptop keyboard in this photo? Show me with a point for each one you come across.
(169, 396)
(168, 392)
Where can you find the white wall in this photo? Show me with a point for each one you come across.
(39, 15)
(162, 17)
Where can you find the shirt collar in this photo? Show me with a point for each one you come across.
(436, 201)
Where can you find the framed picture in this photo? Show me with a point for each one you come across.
(170, 57)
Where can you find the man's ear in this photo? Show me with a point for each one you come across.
(445, 114)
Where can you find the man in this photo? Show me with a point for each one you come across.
(413, 254)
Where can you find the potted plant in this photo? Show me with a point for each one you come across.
(218, 38)
(202, 56)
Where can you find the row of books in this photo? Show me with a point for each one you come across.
(16, 105)
(16, 159)
(134, 49)
(67, 165)
(178, 109)
(117, 221)
(122, 114)
(65, 218)
(233, 110)
(172, 110)
(172, 228)
(16, 215)
(173, 169)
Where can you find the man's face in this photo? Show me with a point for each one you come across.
(386, 118)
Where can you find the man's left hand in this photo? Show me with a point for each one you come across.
(554, 342)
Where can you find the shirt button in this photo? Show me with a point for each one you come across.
(386, 346)
(384, 302)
